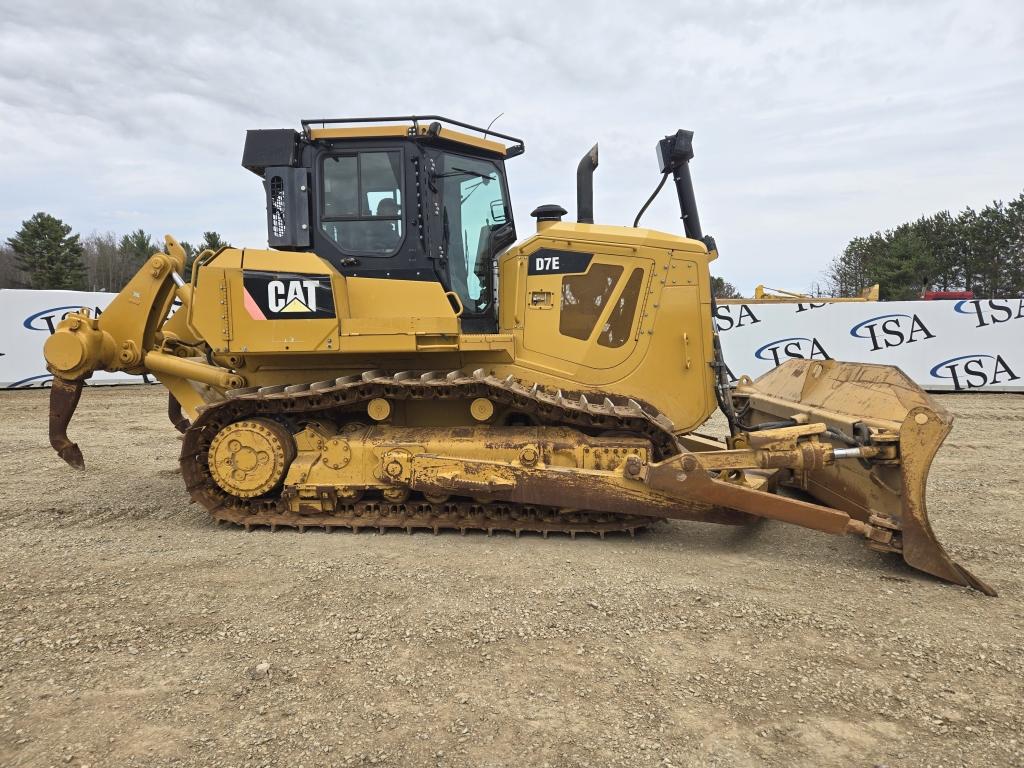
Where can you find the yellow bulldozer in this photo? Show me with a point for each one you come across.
(399, 359)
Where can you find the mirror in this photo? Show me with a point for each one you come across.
(498, 212)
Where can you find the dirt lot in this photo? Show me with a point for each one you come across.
(133, 632)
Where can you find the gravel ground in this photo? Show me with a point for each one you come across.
(133, 632)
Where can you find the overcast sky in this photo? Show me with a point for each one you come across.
(814, 122)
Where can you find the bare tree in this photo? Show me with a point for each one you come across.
(11, 276)
(103, 262)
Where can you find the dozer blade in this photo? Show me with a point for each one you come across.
(864, 404)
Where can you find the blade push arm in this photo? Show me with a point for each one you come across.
(799, 426)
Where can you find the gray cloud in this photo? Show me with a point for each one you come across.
(815, 121)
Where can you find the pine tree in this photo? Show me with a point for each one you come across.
(135, 248)
(855, 269)
(47, 251)
(993, 242)
(939, 235)
(722, 289)
(1014, 262)
(190, 257)
(905, 266)
(213, 241)
(980, 251)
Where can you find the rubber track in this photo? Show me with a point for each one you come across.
(347, 396)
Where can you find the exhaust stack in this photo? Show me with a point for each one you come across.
(585, 187)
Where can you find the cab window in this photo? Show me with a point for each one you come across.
(584, 298)
(620, 322)
(362, 202)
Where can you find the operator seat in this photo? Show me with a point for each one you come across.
(386, 234)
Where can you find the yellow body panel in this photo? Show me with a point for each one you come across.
(646, 334)
(396, 131)
(666, 359)
(359, 132)
(473, 141)
(661, 355)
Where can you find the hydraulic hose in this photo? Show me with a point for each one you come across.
(654, 194)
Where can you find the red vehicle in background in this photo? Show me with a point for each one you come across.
(940, 295)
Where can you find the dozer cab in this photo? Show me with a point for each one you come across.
(399, 358)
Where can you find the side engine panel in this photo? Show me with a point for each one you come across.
(614, 309)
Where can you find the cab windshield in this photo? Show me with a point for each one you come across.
(474, 207)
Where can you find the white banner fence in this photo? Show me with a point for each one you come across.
(975, 345)
(27, 319)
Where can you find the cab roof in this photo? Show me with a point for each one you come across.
(422, 126)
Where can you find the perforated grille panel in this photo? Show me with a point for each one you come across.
(278, 203)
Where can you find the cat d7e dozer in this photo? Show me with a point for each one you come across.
(400, 360)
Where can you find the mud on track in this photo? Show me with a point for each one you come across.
(135, 632)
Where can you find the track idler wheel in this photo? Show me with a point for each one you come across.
(251, 457)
